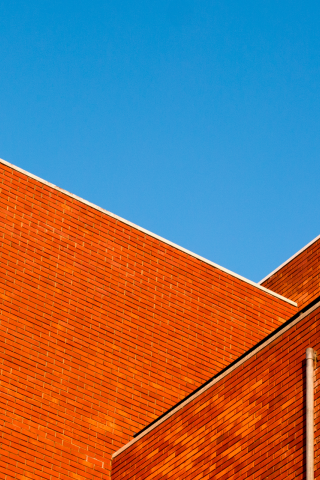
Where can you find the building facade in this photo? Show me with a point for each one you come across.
(125, 356)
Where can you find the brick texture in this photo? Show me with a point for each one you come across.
(103, 328)
(299, 279)
(249, 425)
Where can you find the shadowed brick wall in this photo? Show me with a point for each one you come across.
(103, 327)
(249, 425)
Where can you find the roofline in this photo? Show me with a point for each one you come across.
(51, 185)
(225, 371)
(289, 260)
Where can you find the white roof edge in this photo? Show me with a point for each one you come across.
(96, 207)
(217, 379)
(289, 260)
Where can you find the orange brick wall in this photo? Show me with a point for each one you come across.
(299, 279)
(249, 425)
(103, 327)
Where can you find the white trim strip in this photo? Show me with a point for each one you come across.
(217, 379)
(289, 260)
(51, 185)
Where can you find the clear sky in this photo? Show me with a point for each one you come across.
(198, 120)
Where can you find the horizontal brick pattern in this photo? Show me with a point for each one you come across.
(102, 329)
(250, 425)
(299, 279)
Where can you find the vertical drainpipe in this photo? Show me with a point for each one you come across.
(310, 414)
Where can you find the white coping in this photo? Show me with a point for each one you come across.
(51, 185)
(289, 260)
(217, 379)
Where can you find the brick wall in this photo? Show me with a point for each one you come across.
(103, 327)
(249, 425)
(299, 279)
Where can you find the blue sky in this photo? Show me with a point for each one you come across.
(199, 121)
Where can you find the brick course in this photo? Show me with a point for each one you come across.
(103, 328)
(249, 425)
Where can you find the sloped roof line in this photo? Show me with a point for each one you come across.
(224, 372)
(289, 260)
(147, 232)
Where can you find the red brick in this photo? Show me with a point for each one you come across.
(103, 327)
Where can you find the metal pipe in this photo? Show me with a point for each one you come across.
(310, 414)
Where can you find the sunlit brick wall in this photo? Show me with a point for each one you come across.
(103, 327)
(299, 279)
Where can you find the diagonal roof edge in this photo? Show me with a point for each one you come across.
(127, 222)
(224, 372)
(289, 260)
